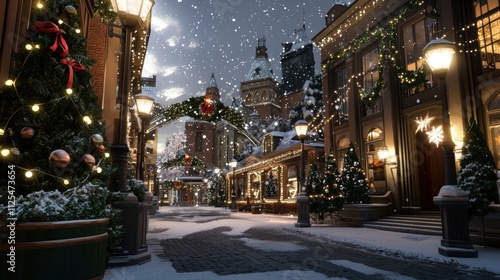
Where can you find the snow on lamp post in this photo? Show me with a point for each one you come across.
(131, 13)
(452, 202)
(144, 103)
(301, 128)
(233, 163)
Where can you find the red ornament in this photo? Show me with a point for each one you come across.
(187, 160)
(177, 185)
(101, 148)
(88, 160)
(27, 133)
(207, 108)
(59, 158)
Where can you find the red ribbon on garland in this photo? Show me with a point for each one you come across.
(73, 66)
(50, 27)
(207, 108)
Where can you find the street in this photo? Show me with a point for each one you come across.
(214, 243)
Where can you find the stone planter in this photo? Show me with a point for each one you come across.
(357, 213)
(55, 250)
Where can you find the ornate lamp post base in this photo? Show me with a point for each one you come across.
(303, 211)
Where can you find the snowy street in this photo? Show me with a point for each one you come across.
(214, 243)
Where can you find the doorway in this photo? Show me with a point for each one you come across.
(430, 171)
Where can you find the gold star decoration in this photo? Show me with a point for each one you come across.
(423, 123)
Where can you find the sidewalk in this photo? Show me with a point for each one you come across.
(207, 218)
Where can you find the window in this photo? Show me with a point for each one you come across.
(341, 100)
(488, 29)
(415, 37)
(375, 166)
(494, 122)
(342, 146)
(199, 142)
(371, 75)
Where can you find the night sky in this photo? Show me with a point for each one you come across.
(191, 39)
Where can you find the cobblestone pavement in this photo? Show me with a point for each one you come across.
(231, 255)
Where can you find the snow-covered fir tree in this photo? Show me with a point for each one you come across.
(331, 186)
(311, 107)
(314, 189)
(477, 170)
(271, 190)
(353, 180)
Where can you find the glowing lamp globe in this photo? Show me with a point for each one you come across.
(438, 54)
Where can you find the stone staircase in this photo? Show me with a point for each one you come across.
(427, 223)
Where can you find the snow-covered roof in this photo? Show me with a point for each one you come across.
(261, 68)
(301, 41)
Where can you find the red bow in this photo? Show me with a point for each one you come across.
(50, 27)
(207, 108)
(73, 66)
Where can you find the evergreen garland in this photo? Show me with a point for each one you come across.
(477, 172)
(192, 108)
(353, 180)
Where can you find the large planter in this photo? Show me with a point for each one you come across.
(357, 213)
(54, 250)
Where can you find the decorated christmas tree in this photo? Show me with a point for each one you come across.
(271, 190)
(331, 186)
(314, 190)
(477, 171)
(353, 180)
(51, 133)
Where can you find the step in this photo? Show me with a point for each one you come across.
(427, 224)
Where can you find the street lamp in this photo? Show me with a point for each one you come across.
(131, 13)
(301, 127)
(134, 214)
(144, 103)
(438, 55)
(233, 164)
(454, 218)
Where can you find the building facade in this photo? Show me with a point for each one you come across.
(380, 95)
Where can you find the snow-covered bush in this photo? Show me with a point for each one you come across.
(85, 202)
(138, 188)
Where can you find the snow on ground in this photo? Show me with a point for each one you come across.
(402, 244)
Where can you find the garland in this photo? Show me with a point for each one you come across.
(387, 44)
(181, 161)
(193, 107)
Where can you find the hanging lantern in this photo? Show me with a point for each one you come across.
(187, 160)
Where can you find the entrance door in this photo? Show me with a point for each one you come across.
(430, 171)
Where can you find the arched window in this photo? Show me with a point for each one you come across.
(375, 166)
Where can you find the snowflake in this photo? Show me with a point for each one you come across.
(436, 135)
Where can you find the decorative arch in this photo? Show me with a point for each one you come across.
(192, 108)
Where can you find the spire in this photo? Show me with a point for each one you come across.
(261, 66)
(212, 82)
(212, 91)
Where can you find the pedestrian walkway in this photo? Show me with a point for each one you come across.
(214, 243)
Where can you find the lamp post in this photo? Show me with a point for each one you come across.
(452, 204)
(131, 13)
(233, 163)
(301, 127)
(134, 214)
(144, 103)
